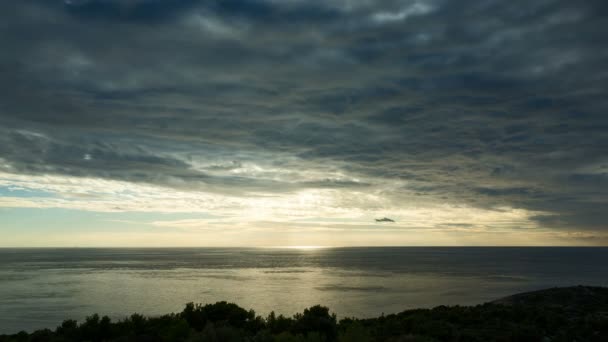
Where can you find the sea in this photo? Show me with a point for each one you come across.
(39, 288)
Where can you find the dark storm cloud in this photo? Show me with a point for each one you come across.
(138, 10)
(487, 103)
(154, 11)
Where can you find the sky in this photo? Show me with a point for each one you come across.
(301, 122)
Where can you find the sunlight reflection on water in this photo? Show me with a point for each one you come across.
(40, 287)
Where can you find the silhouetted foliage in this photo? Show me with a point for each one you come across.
(566, 314)
(316, 319)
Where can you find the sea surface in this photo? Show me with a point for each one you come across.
(39, 288)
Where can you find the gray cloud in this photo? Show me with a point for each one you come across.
(485, 103)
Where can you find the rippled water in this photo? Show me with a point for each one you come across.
(41, 287)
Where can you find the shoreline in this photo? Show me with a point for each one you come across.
(561, 311)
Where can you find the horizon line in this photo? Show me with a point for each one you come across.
(307, 247)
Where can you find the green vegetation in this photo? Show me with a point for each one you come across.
(563, 314)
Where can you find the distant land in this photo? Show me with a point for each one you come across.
(577, 313)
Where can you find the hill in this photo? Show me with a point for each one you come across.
(585, 298)
(559, 314)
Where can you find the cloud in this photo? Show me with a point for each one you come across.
(416, 8)
(129, 10)
(385, 219)
(363, 106)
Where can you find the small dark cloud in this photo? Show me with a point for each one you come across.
(385, 219)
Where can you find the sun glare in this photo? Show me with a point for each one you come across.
(302, 247)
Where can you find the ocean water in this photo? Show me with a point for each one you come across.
(39, 288)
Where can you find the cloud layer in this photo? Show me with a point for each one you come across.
(369, 108)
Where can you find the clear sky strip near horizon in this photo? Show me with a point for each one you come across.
(277, 123)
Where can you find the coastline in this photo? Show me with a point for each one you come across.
(567, 313)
